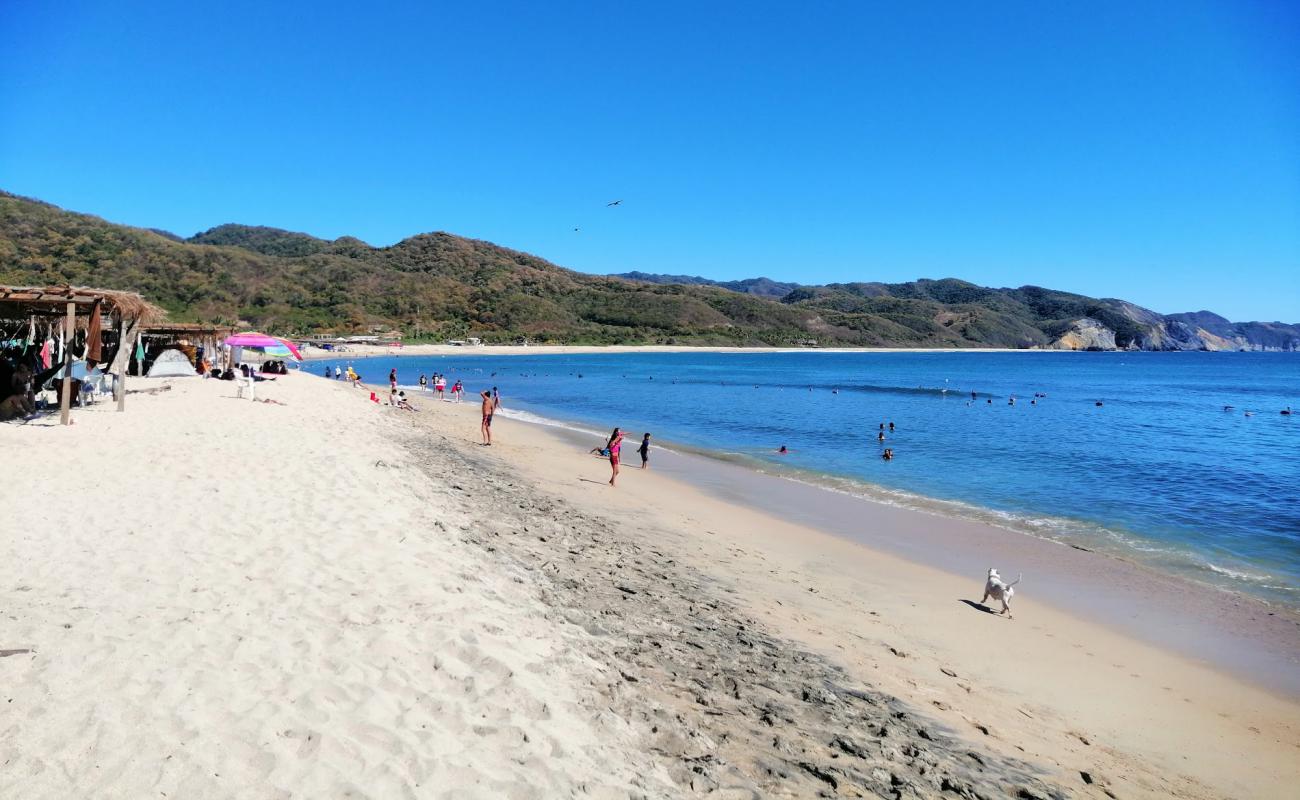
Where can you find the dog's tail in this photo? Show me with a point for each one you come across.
(1017, 580)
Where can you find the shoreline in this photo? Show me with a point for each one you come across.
(1178, 587)
(1246, 636)
(1249, 637)
(961, 511)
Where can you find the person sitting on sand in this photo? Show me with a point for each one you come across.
(601, 451)
(16, 397)
(614, 446)
(485, 427)
(403, 403)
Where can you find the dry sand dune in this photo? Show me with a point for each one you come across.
(329, 598)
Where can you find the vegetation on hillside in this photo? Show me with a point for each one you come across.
(439, 285)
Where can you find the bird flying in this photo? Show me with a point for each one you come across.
(615, 203)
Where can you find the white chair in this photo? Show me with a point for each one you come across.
(246, 384)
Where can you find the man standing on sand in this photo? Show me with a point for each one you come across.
(486, 426)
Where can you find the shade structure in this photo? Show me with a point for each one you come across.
(271, 345)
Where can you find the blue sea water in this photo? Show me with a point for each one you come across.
(1159, 472)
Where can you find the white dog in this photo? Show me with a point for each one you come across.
(1002, 592)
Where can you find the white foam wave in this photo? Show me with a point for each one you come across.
(537, 419)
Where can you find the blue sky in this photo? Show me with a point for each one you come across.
(1149, 151)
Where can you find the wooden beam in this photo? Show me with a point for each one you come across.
(65, 400)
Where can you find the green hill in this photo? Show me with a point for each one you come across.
(439, 285)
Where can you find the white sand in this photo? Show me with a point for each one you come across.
(229, 599)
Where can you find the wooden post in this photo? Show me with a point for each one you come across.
(65, 401)
(128, 332)
(119, 378)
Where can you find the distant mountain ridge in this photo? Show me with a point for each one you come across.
(1120, 324)
(438, 285)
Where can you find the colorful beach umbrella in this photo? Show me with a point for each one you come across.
(271, 345)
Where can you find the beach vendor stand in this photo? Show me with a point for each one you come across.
(76, 318)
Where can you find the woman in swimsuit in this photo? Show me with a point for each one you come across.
(615, 444)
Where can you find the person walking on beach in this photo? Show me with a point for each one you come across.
(645, 452)
(328, 374)
(614, 445)
(496, 398)
(392, 379)
(486, 426)
(424, 383)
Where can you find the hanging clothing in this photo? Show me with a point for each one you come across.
(94, 336)
(45, 354)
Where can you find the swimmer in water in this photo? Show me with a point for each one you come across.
(880, 437)
(888, 455)
(891, 427)
(782, 451)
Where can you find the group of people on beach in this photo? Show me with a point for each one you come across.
(613, 451)
(438, 383)
(350, 375)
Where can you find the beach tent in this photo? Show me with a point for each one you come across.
(172, 364)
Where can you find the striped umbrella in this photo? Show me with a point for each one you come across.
(271, 345)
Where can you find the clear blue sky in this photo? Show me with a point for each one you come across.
(1149, 151)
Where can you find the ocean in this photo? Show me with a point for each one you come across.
(1151, 457)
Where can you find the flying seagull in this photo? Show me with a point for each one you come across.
(615, 203)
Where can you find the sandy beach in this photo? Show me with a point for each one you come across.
(322, 596)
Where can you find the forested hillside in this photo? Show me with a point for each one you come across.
(440, 285)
